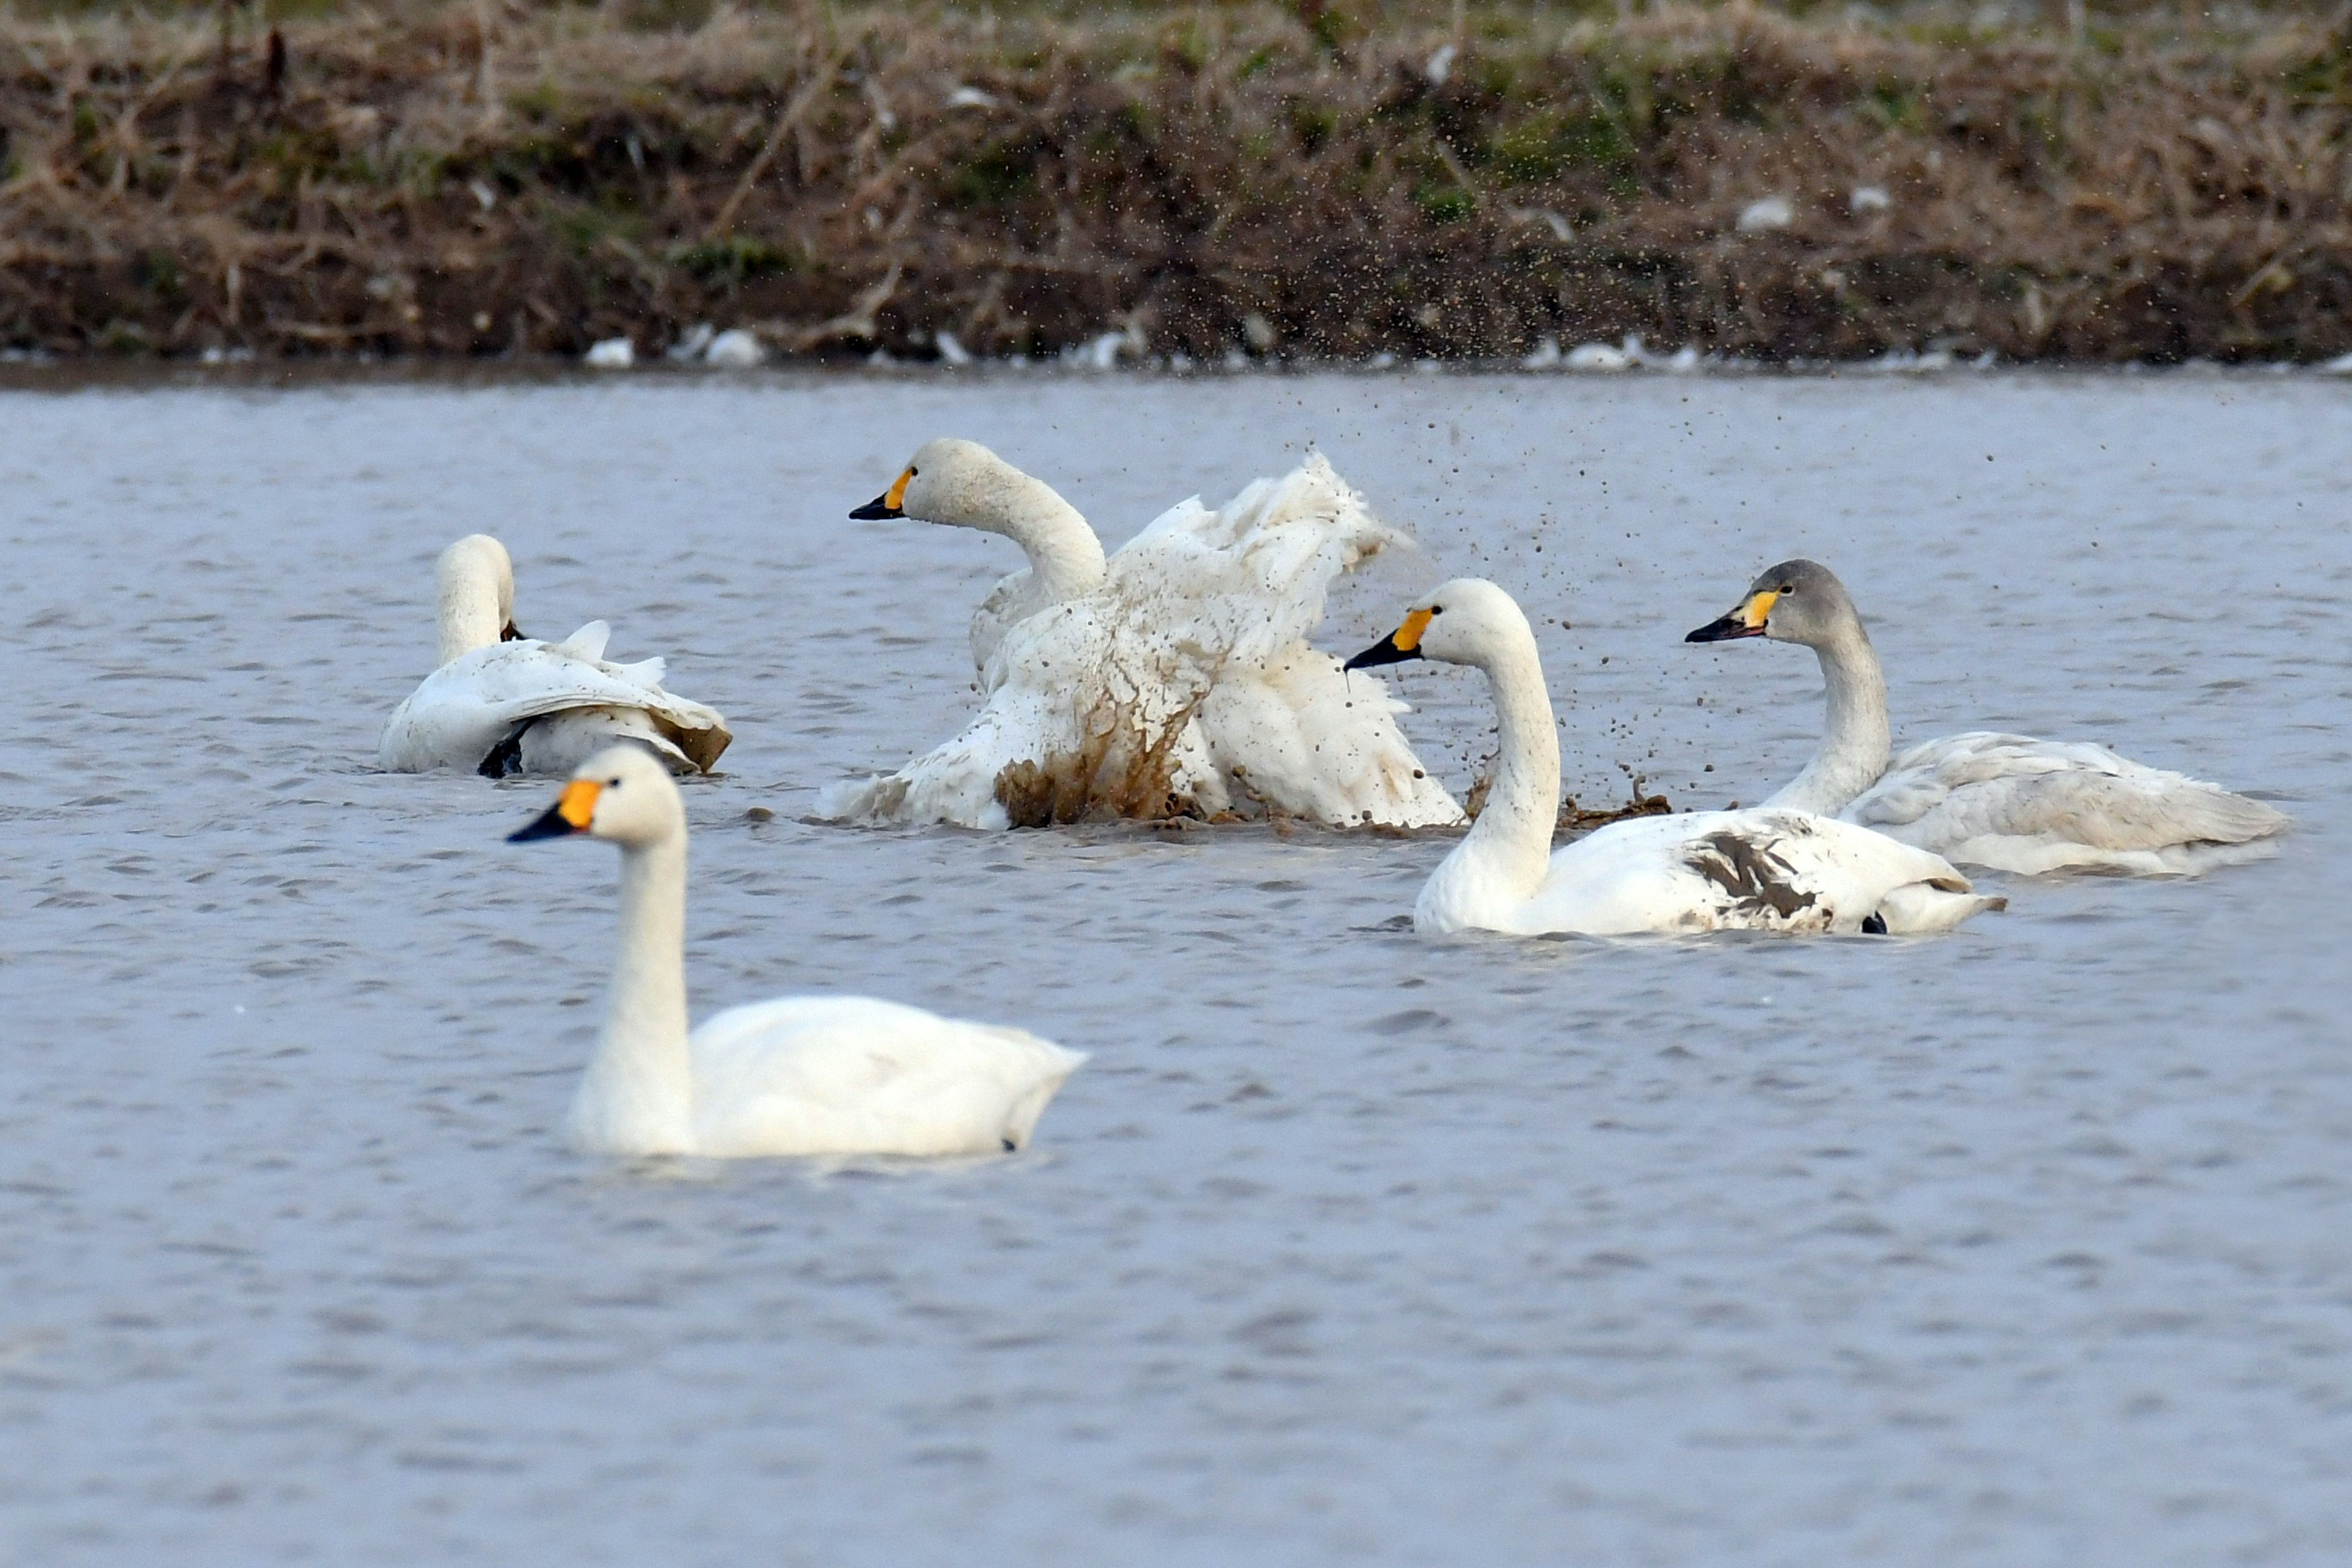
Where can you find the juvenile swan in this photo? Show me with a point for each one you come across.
(1172, 675)
(502, 703)
(2008, 802)
(800, 1075)
(1711, 871)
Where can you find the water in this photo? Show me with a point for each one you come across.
(2029, 1245)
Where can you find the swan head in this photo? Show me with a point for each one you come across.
(474, 582)
(959, 483)
(1466, 621)
(1797, 601)
(623, 794)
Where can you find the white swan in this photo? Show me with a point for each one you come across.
(1171, 676)
(2008, 802)
(502, 703)
(1711, 871)
(800, 1075)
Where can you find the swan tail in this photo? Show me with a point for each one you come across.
(1052, 1066)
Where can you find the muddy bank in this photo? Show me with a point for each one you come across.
(1246, 179)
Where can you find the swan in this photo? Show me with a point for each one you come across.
(800, 1075)
(1172, 676)
(502, 703)
(2008, 802)
(1709, 870)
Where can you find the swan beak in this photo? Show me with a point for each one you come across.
(887, 503)
(1748, 621)
(1400, 645)
(573, 810)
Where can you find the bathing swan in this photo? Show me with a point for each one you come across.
(1712, 870)
(502, 703)
(1172, 675)
(2008, 802)
(800, 1075)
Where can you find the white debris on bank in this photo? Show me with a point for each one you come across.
(951, 349)
(1869, 199)
(1631, 353)
(612, 353)
(735, 348)
(1767, 215)
(1105, 351)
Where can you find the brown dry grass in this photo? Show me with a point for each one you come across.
(480, 178)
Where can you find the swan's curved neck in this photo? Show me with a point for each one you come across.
(1065, 556)
(471, 613)
(1854, 750)
(1504, 860)
(637, 1096)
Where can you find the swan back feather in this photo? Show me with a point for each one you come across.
(524, 705)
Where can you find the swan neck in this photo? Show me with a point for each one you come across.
(1855, 745)
(1065, 556)
(469, 612)
(638, 1097)
(1511, 843)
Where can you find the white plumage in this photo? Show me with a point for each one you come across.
(1171, 676)
(523, 706)
(1717, 871)
(2010, 802)
(800, 1075)
(2028, 806)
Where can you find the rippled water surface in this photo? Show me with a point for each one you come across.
(2029, 1245)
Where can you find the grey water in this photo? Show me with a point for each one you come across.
(2031, 1244)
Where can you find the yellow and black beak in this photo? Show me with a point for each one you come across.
(573, 810)
(1400, 645)
(887, 503)
(1747, 621)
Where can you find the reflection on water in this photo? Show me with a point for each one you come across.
(2022, 1245)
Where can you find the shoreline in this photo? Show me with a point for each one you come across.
(464, 182)
(65, 374)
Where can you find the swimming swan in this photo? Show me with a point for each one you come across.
(1709, 870)
(800, 1075)
(1173, 675)
(502, 703)
(2008, 802)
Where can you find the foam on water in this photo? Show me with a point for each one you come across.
(2026, 1246)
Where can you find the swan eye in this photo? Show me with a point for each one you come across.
(1786, 588)
(1436, 609)
(611, 783)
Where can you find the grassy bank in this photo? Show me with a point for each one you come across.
(1288, 179)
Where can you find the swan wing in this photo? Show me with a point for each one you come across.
(1250, 578)
(1088, 713)
(1307, 739)
(1011, 601)
(589, 642)
(1763, 870)
(482, 699)
(851, 1075)
(2026, 806)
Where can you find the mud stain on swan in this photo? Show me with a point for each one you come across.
(1758, 881)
